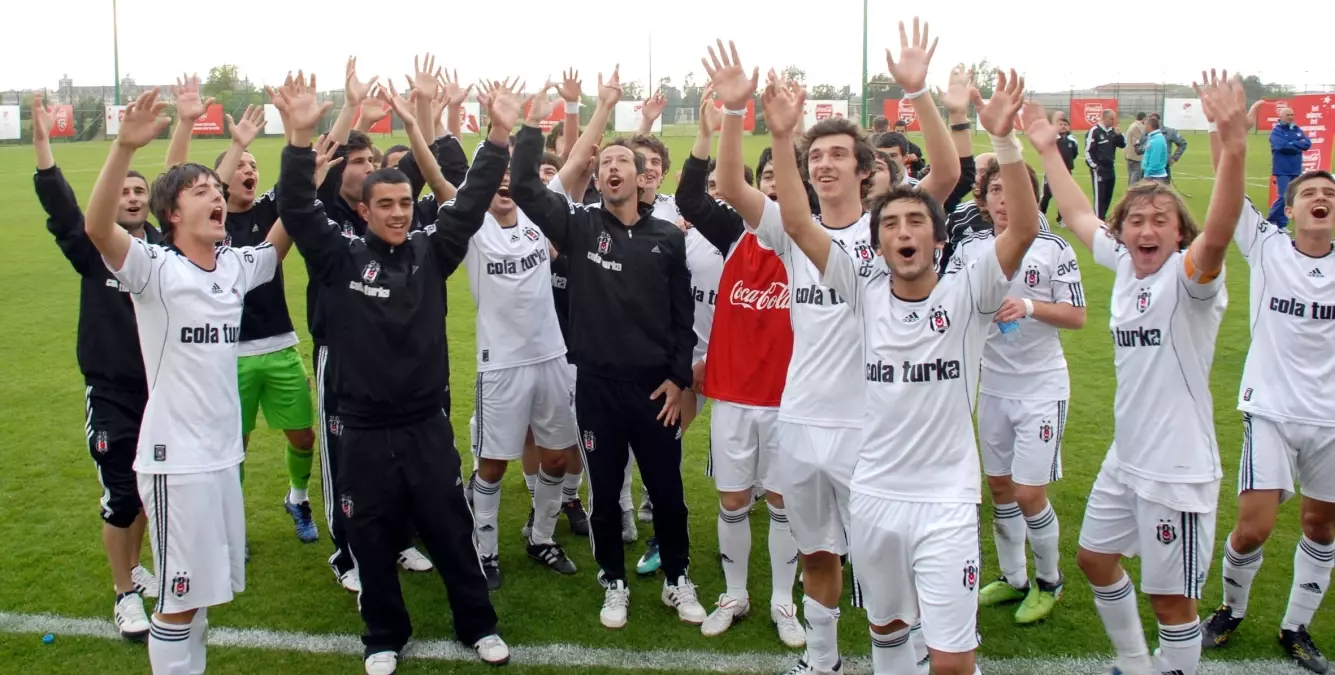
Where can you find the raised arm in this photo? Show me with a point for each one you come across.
(354, 92)
(783, 102)
(189, 107)
(64, 220)
(650, 111)
(910, 73)
(1076, 211)
(1022, 208)
(42, 122)
(455, 95)
(424, 91)
(573, 173)
(956, 100)
(719, 224)
(143, 122)
(736, 88)
(243, 134)
(1227, 100)
(571, 91)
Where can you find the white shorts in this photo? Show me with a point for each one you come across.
(1276, 455)
(743, 444)
(197, 530)
(1175, 547)
(813, 471)
(510, 401)
(918, 558)
(1022, 439)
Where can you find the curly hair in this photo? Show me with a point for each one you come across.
(1149, 192)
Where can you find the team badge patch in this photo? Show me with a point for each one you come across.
(588, 441)
(863, 251)
(335, 425)
(1045, 431)
(371, 272)
(100, 442)
(604, 243)
(1031, 276)
(1143, 300)
(531, 233)
(159, 453)
(971, 574)
(345, 503)
(180, 585)
(1165, 532)
(940, 320)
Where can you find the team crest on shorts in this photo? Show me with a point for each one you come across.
(1045, 431)
(1143, 300)
(1031, 276)
(345, 503)
(100, 442)
(1165, 532)
(371, 272)
(588, 441)
(335, 425)
(604, 243)
(940, 319)
(531, 233)
(180, 585)
(971, 574)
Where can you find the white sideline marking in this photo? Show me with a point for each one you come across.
(574, 656)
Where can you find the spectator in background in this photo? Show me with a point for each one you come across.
(1069, 150)
(913, 159)
(1101, 144)
(1174, 140)
(1135, 136)
(880, 125)
(1288, 142)
(1154, 163)
(898, 147)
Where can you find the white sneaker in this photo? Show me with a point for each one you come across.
(492, 650)
(803, 668)
(129, 616)
(382, 663)
(790, 629)
(681, 596)
(629, 533)
(144, 581)
(616, 604)
(351, 581)
(412, 560)
(729, 609)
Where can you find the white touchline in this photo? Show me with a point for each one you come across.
(576, 656)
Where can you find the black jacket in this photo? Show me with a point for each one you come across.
(108, 341)
(631, 310)
(719, 223)
(1069, 150)
(1101, 147)
(384, 306)
(265, 312)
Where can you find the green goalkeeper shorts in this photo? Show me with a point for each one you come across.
(276, 382)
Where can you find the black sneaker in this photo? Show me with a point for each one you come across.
(1219, 628)
(491, 567)
(527, 531)
(1302, 651)
(553, 556)
(579, 520)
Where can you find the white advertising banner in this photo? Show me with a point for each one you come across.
(471, 118)
(10, 129)
(111, 122)
(273, 122)
(1184, 114)
(820, 110)
(627, 117)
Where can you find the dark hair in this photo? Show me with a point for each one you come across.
(880, 123)
(357, 141)
(902, 123)
(395, 148)
(893, 139)
(902, 192)
(840, 126)
(554, 134)
(1291, 193)
(385, 176)
(766, 156)
(624, 143)
(376, 155)
(552, 159)
(1153, 122)
(135, 174)
(165, 194)
(895, 176)
(1140, 116)
(649, 142)
(1150, 190)
(992, 172)
(746, 171)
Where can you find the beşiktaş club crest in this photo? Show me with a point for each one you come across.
(604, 243)
(335, 425)
(180, 585)
(939, 320)
(1031, 276)
(371, 272)
(970, 574)
(531, 233)
(1143, 300)
(1045, 431)
(100, 442)
(345, 503)
(1165, 532)
(588, 441)
(863, 251)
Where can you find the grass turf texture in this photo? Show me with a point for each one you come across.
(54, 562)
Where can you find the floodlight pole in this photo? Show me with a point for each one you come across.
(865, 84)
(116, 52)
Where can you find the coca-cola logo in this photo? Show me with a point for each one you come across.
(775, 296)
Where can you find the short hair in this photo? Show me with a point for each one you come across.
(1150, 190)
(625, 143)
(552, 159)
(746, 171)
(880, 123)
(990, 173)
(135, 174)
(905, 192)
(1140, 116)
(840, 126)
(384, 176)
(1152, 121)
(357, 141)
(1291, 193)
(766, 157)
(902, 123)
(165, 195)
(218, 161)
(376, 155)
(895, 177)
(893, 139)
(554, 134)
(395, 148)
(651, 142)
(1063, 115)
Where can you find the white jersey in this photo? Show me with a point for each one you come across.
(1031, 366)
(705, 263)
(921, 363)
(1289, 375)
(1164, 328)
(189, 328)
(824, 386)
(510, 277)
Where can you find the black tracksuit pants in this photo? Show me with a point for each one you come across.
(616, 416)
(410, 474)
(1105, 179)
(1047, 199)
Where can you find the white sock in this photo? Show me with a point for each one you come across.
(1179, 648)
(924, 666)
(546, 506)
(1239, 571)
(892, 654)
(1009, 530)
(782, 558)
(298, 495)
(822, 634)
(1311, 576)
(1121, 620)
(199, 631)
(570, 486)
(486, 512)
(531, 480)
(1044, 539)
(626, 503)
(169, 647)
(734, 546)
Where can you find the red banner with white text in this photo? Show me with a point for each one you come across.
(211, 124)
(1085, 112)
(64, 126)
(1315, 114)
(895, 110)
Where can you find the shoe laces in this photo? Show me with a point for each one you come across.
(616, 597)
(1302, 641)
(684, 591)
(787, 615)
(800, 668)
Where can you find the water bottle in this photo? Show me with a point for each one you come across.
(1010, 330)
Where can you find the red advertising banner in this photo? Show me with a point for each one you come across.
(384, 125)
(211, 124)
(1085, 112)
(749, 121)
(64, 126)
(558, 114)
(895, 109)
(1315, 114)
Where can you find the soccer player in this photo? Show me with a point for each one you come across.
(115, 387)
(1023, 402)
(385, 297)
(915, 489)
(188, 301)
(820, 414)
(1069, 149)
(1156, 493)
(631, 339)
(1101, 144)
(751, 341)
(1286, 412)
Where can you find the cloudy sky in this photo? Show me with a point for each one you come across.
(1050, 42)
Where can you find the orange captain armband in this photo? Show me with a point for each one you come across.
(1198, 275)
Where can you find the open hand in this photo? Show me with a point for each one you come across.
(43, 119)
(783, 103)
(390, 100)
(728, 77)
(298, 102)
(324, 158)
(539, 105)
(1227, 100)
(571, 88)
(671, 395)
(354, 89)
(910, 71)
(711, 117)
(502, 104)
(189, 105)
(609, 92)
(653, 107)
(251, 124)
(143, 121)
(1037, 128)
(998, 114)
(958, 93)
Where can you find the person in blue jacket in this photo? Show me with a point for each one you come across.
(1288, 142)
(1154, 162)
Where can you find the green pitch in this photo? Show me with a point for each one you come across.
(53, 562)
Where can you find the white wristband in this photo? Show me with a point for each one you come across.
(573, 106)
(1028, 308)
(1211, 127)
(1007, 148)
(916, 94)
(734, 113)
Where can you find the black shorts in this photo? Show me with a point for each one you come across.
(112, 428)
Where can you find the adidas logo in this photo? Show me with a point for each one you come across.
(1232, 583)
(1316, 274)
(255, 228)
(654, 249)
(724, 557)
(514, 238)
(911, 318)
(1311, 587)
(486, 528)
(215, 290)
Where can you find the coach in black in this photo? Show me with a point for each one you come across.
(1101, 144)
(631, 339)
(384, 296)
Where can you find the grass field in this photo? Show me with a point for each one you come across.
(53, 563)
